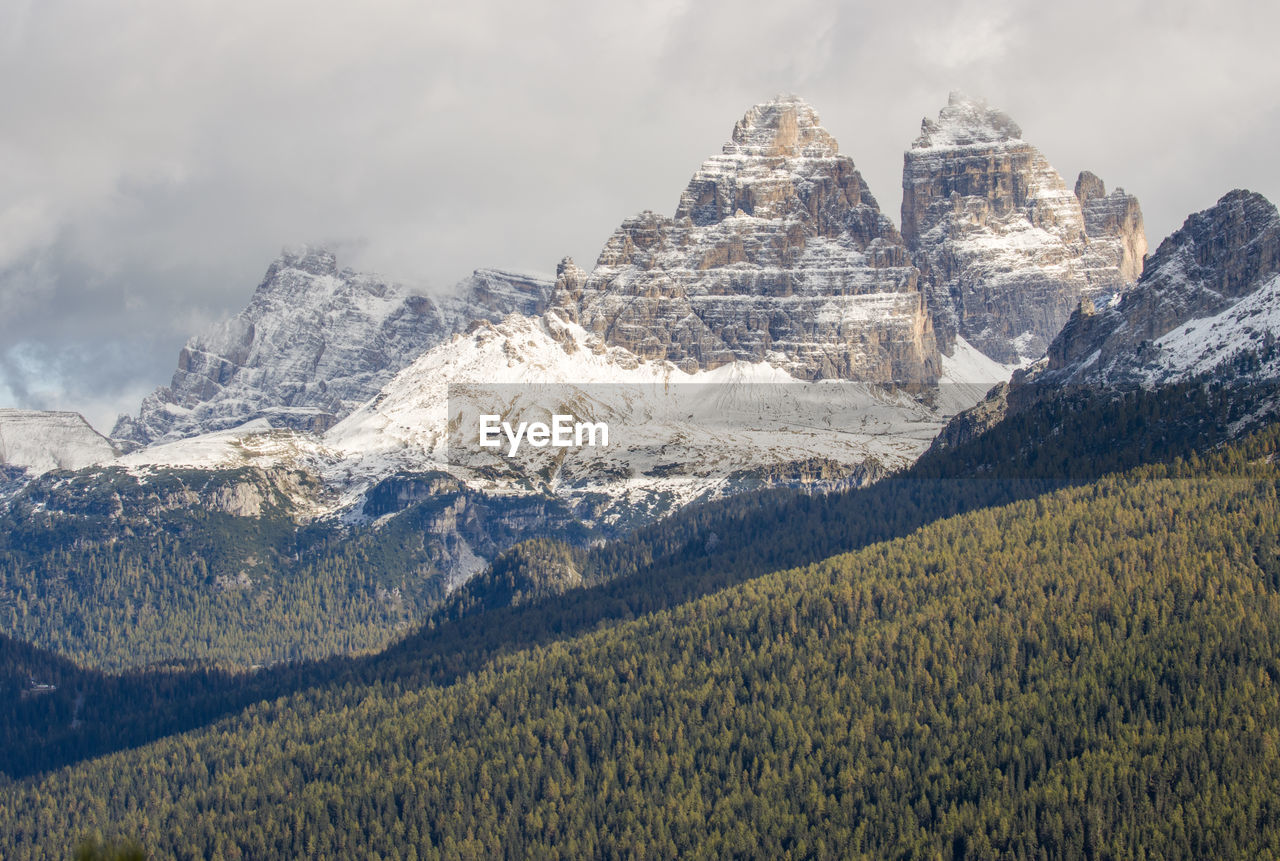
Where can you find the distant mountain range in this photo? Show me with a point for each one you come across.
(314, 343)
(777, 258)
(817, 348)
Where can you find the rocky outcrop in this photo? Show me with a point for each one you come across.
(1005, 249)
(1113, 223)
(975, 421)
(1206, 294)
(134, 501)
(315, 342)
(1208, 303)
(492, 294)
(777, 252)
(37, 441)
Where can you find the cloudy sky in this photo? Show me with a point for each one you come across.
(155, 155)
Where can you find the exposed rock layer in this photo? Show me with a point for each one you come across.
(314, 343)
(1217, 259)
(777, 252)
(1005, 249)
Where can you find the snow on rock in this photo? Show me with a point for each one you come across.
(39, 441)
(492, 294)
(1005, 249)
(771, 332)
(777, 252)
(676, 435)
(315, 342)
(1208, 301)
(255, 443)
(1208, 293)
(968, 375)
(1207, 342)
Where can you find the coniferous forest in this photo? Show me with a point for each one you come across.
(1087, 671)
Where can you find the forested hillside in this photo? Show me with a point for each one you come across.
(1089, 673)
(120, 572)
(1057, 442)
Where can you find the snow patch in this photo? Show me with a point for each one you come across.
(41, 441)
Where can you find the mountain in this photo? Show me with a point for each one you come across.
(346, 632)
(314, 342)
(1210, 293)
(1204, 320)
(492, 294)
(1113, 223)
(1005, 249)
(676, 436)
(36, 441)
(777, 252)
(771, 335)
(772, 332)
(283, 519)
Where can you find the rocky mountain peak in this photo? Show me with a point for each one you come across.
(1089, 187)
(1206, 293)
(1005, 249)
(491, 294)
(1228, 247)
(779, 163)
(314, 342)
(1208, 303)
(312, 259)
(777, 252)
(570, 279)
(1113, 223)
(966, 122)
(786, 126)
(566, 265)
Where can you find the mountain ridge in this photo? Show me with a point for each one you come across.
(1207, 309)
(314, 342)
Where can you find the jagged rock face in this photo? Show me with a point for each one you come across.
(314, 343)
(1113, 223)
(1221, 260)
(1208, 302)
(777, 252)
(37, 441)
(1005, 249)
(492, 294)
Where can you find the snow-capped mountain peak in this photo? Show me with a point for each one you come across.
(777, 252)
(785, 126)
(1208, 293)
(965, 122)
(314, 342)
(1006, 250)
